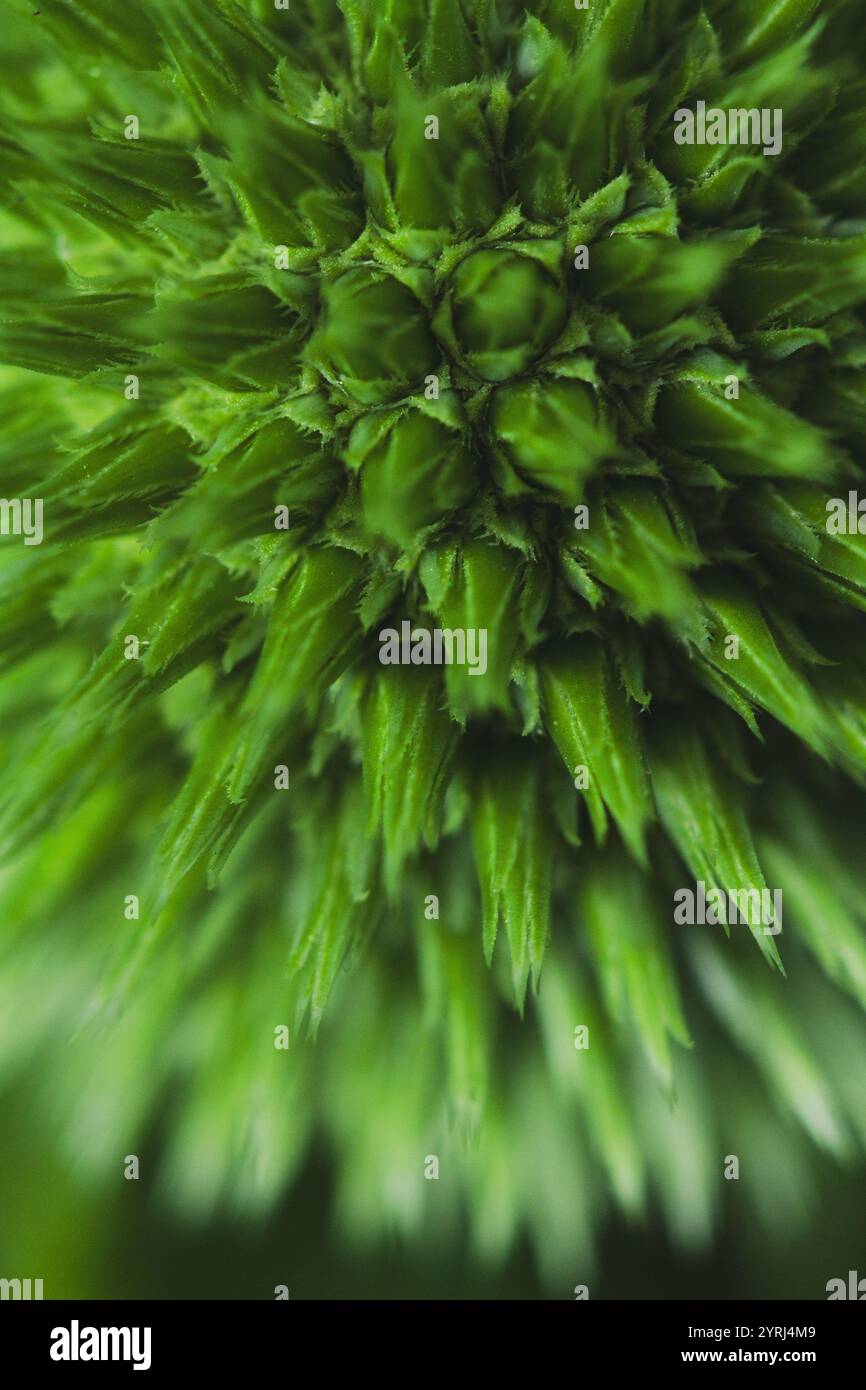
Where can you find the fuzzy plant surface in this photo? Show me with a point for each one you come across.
(323, 318)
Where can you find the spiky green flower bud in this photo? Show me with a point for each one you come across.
(449, 181)
(549, 436)
(373, 340)
(505, 311)
(415, 469)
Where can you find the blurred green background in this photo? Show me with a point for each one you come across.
(120, 1243)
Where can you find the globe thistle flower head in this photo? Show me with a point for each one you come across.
(435, 455)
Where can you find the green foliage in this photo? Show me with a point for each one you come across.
(331, 310)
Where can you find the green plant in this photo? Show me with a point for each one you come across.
(292, 364)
